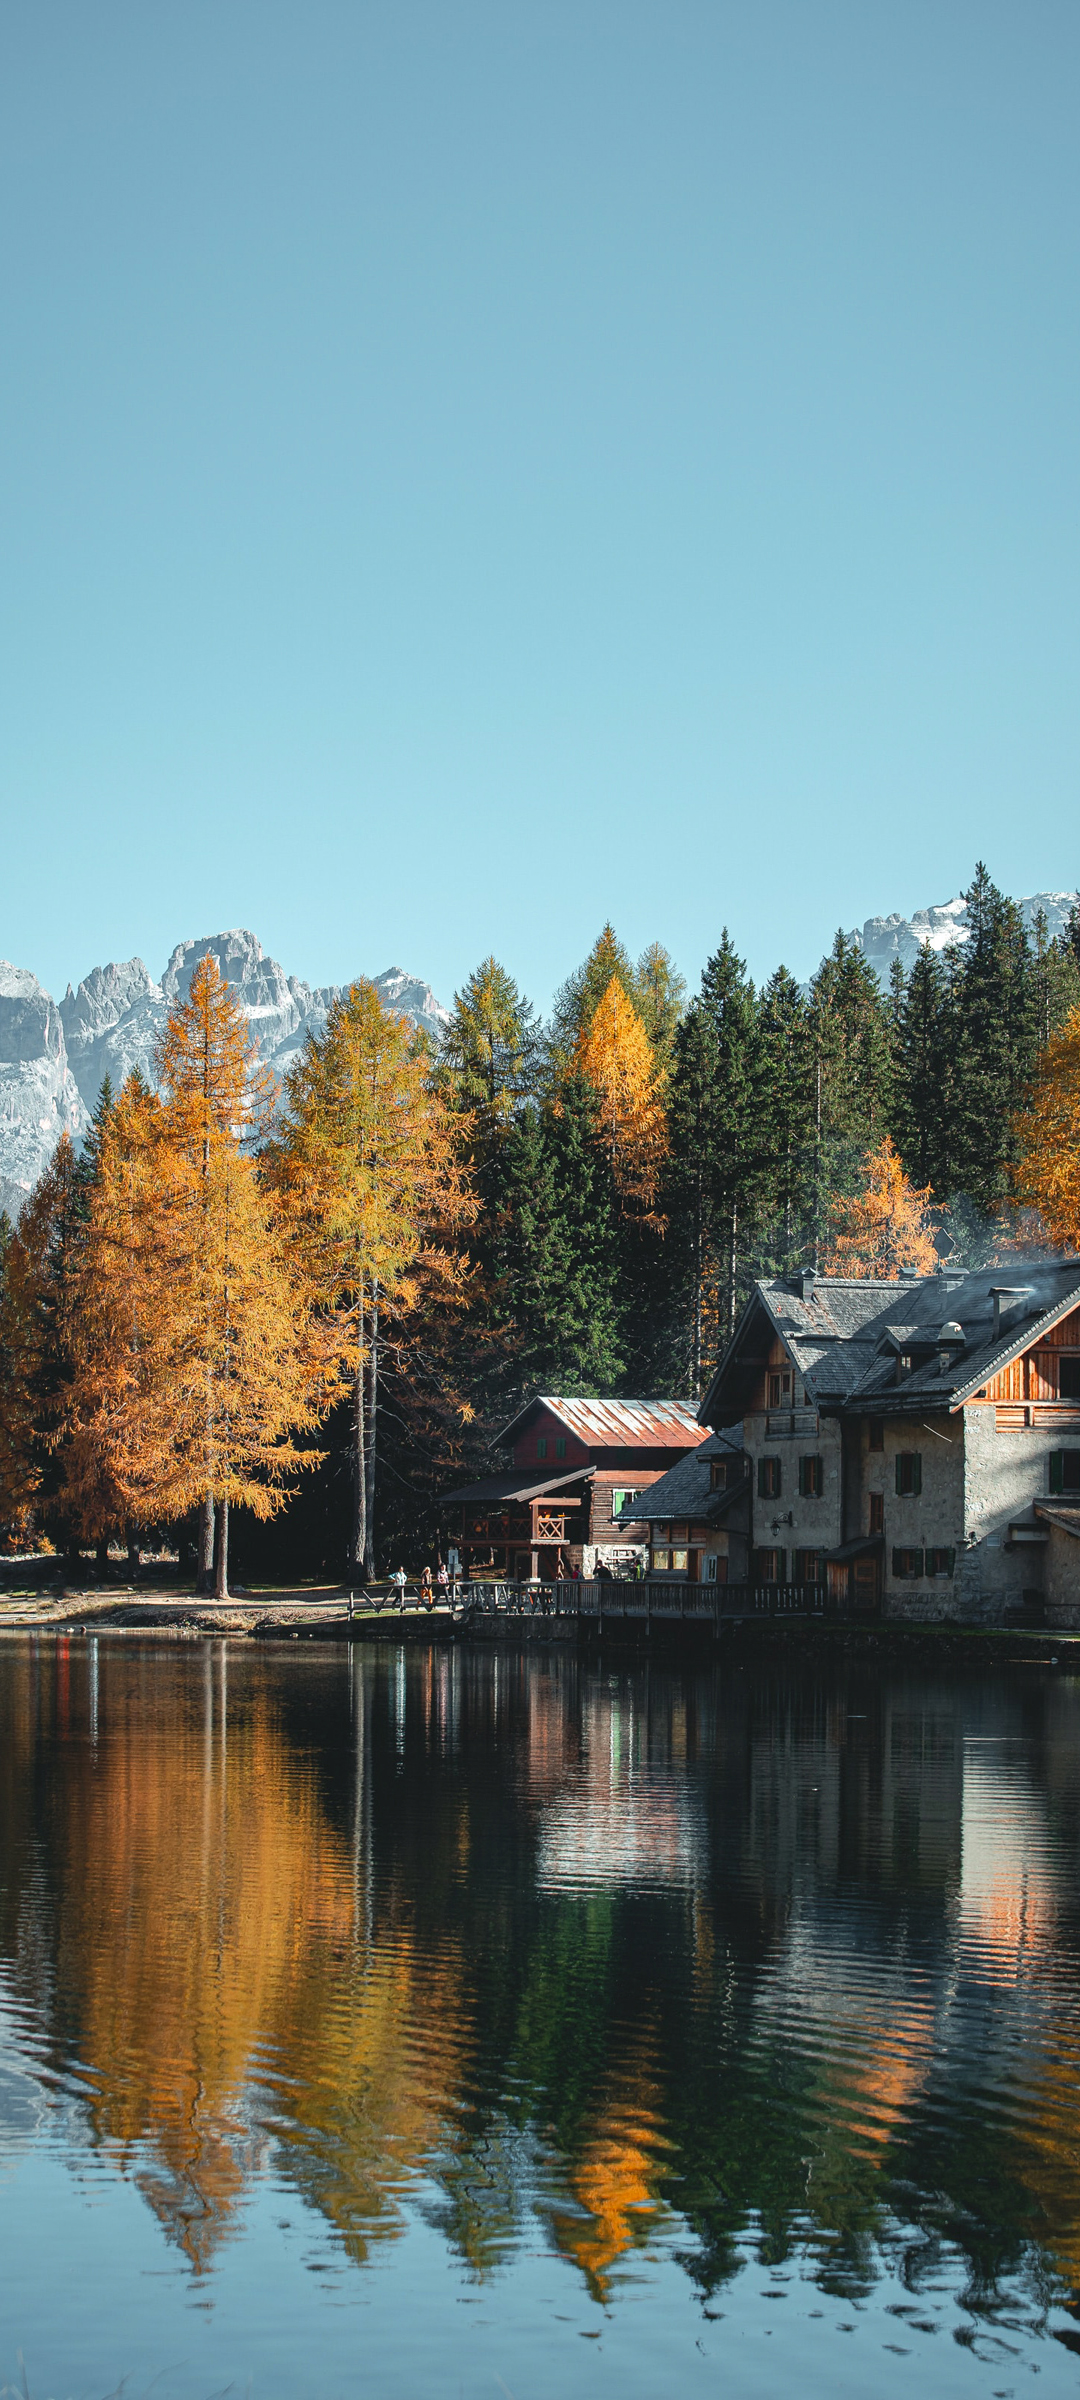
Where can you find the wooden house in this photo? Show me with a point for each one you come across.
(574, 1469)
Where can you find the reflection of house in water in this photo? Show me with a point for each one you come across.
(621, 1819)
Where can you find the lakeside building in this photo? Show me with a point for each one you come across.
(576, 1468)
(914, 1445)
(698, 1515)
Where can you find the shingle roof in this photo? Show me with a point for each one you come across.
(685, 1490)
(844, 1336)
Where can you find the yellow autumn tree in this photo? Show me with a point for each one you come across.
(118, 1328)
(884, 1227)
(370, 1170)
(1046, 1177)
(239, 1381)
(614, 1054)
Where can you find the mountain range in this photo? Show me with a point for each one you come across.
(55, 1055)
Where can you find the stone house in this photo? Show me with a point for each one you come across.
(914, 1445)
(698, 1516)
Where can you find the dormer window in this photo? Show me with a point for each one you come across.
(780, 1388)
(718, 1475)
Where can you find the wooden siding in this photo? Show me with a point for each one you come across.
(1033, 1376)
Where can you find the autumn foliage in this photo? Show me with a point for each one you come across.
(1047, 1174)
(884, 1227)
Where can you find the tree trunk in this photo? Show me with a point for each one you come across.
(733, 1254)
(221, 1551)
(133, 1555)
(359, 1529)
(204, 1571)
(373, 1403)
(101, 1559)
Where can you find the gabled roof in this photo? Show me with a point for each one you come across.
(685, 1490)
(614, 1424)
(844, 1336)
(522, 1485)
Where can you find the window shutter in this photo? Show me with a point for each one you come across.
(803, 1466)
(950, 1556)
(762, 1485)
(916, 1471)
(898, 1563)
(899, 1495)
(1057, 1470)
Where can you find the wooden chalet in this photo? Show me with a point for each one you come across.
(576, 1466)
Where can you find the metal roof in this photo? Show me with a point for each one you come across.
(617, 1424)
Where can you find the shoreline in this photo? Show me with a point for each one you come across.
(321, 1613)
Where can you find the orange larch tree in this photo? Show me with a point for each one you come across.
(371, 1171)
(884, 1227)
(1046, 1178)
(615, 1056)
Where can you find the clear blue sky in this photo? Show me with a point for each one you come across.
(470, 469)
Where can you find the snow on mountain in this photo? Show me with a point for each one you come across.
(53, 1060)
(39, 1098)
(885, 938)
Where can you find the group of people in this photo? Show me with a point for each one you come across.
(451, 1580)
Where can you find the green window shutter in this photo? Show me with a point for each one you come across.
(899, 1495)
(1057, 1470)
(951, 1557)
(762, 1486)
(803, 1466)
(916, 1472)
(897, 1566)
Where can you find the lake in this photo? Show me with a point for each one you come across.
(455, 2020)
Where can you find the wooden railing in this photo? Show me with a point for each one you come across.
(658, 1603)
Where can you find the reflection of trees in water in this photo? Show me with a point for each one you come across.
(526, 1940)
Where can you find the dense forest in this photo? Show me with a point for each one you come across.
(314, 1305)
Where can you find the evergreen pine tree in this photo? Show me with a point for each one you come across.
(785, 1113)
(556, 1249)
(715, 1172)
(923, 1087)
(993, 1039)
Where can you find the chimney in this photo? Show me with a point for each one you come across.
(1005, 1297)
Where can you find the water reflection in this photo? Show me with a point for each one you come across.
(771, 1962)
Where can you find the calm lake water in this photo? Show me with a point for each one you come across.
(450, 2021)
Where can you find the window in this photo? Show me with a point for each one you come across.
(877, 1512)
(907, 1565)
(660, 1561)
(770, 1566)
(780, 1389)
(768, 1478)
(1065, 1470)
(560, 1445)
(908, 1473)
(621, 1496)
(541, 1445)
(876, 1434)
(678, 1562)
(811, 1478)
(708, 1567)
(808, 1566)
(940, 1562)
(718, 1474)
(1069, 1379)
